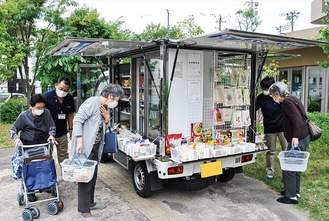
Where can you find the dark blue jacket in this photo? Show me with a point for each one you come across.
(67, 107)
(272, 113)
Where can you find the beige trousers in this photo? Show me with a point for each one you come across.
(271, 155)
(62, 148)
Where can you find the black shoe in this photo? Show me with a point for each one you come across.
(32, 198)
(287, 200)
(283, 194)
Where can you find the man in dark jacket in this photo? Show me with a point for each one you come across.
(272, 121)
(61, 106)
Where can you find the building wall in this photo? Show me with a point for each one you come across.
(309, 57)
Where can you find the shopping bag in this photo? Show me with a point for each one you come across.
(110, 142)
(315, 131)
(39, 173)
(16, 162)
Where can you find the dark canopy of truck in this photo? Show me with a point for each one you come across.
(229, 40)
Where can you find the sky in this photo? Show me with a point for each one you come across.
(137, 14)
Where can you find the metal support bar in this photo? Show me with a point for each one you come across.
(150, 71)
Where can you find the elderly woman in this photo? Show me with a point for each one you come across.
(296, 133)
(89, 126)
(35, 125)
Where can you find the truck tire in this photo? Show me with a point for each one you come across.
(227, 175)
(141, 180)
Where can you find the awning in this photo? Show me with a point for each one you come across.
(225, 40)
(235, 39)
(93, 47)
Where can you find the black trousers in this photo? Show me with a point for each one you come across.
(86, 191)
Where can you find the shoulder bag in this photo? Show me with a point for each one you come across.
(315, 130)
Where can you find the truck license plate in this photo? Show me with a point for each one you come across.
(211, 169)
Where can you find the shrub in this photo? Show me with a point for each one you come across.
(320, 147)
(10, 110)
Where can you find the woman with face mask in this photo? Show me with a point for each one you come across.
(36, 126)
(296, 133)
(272, 121)
(89, 126)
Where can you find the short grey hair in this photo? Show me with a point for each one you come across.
(279, 88)
(114, 89)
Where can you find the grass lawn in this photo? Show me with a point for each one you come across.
(314, 181)
(5, 140)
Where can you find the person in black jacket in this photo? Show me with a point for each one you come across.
(272, 121)
(297, 134)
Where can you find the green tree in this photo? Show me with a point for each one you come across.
(82, 22)
(9, 61)
(30, 28)
(324, 35)
(247, 19)
(189, 28)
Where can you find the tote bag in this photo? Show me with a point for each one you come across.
(110, 142)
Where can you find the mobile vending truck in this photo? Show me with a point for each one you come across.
(189, 106)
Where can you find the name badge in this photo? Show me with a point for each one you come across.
(61, 116)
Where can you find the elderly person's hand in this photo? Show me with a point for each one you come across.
(52, 139)
(79, 145)
(294, 142)
(105, 114)
(17, 142)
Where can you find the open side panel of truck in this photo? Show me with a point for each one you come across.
(189, 88)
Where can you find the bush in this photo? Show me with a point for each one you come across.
(10, 110)
(320, 147)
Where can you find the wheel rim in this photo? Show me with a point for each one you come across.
(52, 208)
(27, 215)
(139, 177)
(35, 212)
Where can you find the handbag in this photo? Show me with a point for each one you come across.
(315, 131)
(110, 142)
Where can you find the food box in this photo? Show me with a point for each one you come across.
(247, 147)
(204, 153)
(78, 170)
(141, 150)
(234, 149)
(183, 153)
(219, 151)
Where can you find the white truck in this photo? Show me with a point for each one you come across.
(192, 101)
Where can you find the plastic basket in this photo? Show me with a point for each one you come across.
(294, 160)
(78, 169)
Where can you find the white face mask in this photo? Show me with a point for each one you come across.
(112, 104)
(266, 93)
(38, 112)
(61, 93)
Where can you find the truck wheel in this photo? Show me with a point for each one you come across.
(227, 175)
(141, 180)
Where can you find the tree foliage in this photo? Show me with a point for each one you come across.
(247, 19)
(31, 28)
(324, 35)
(188, 28)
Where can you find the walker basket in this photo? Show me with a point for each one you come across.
(294, 160)
(78, 169)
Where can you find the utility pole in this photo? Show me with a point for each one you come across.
(291, 16)
(168, 27)
(220, 21)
